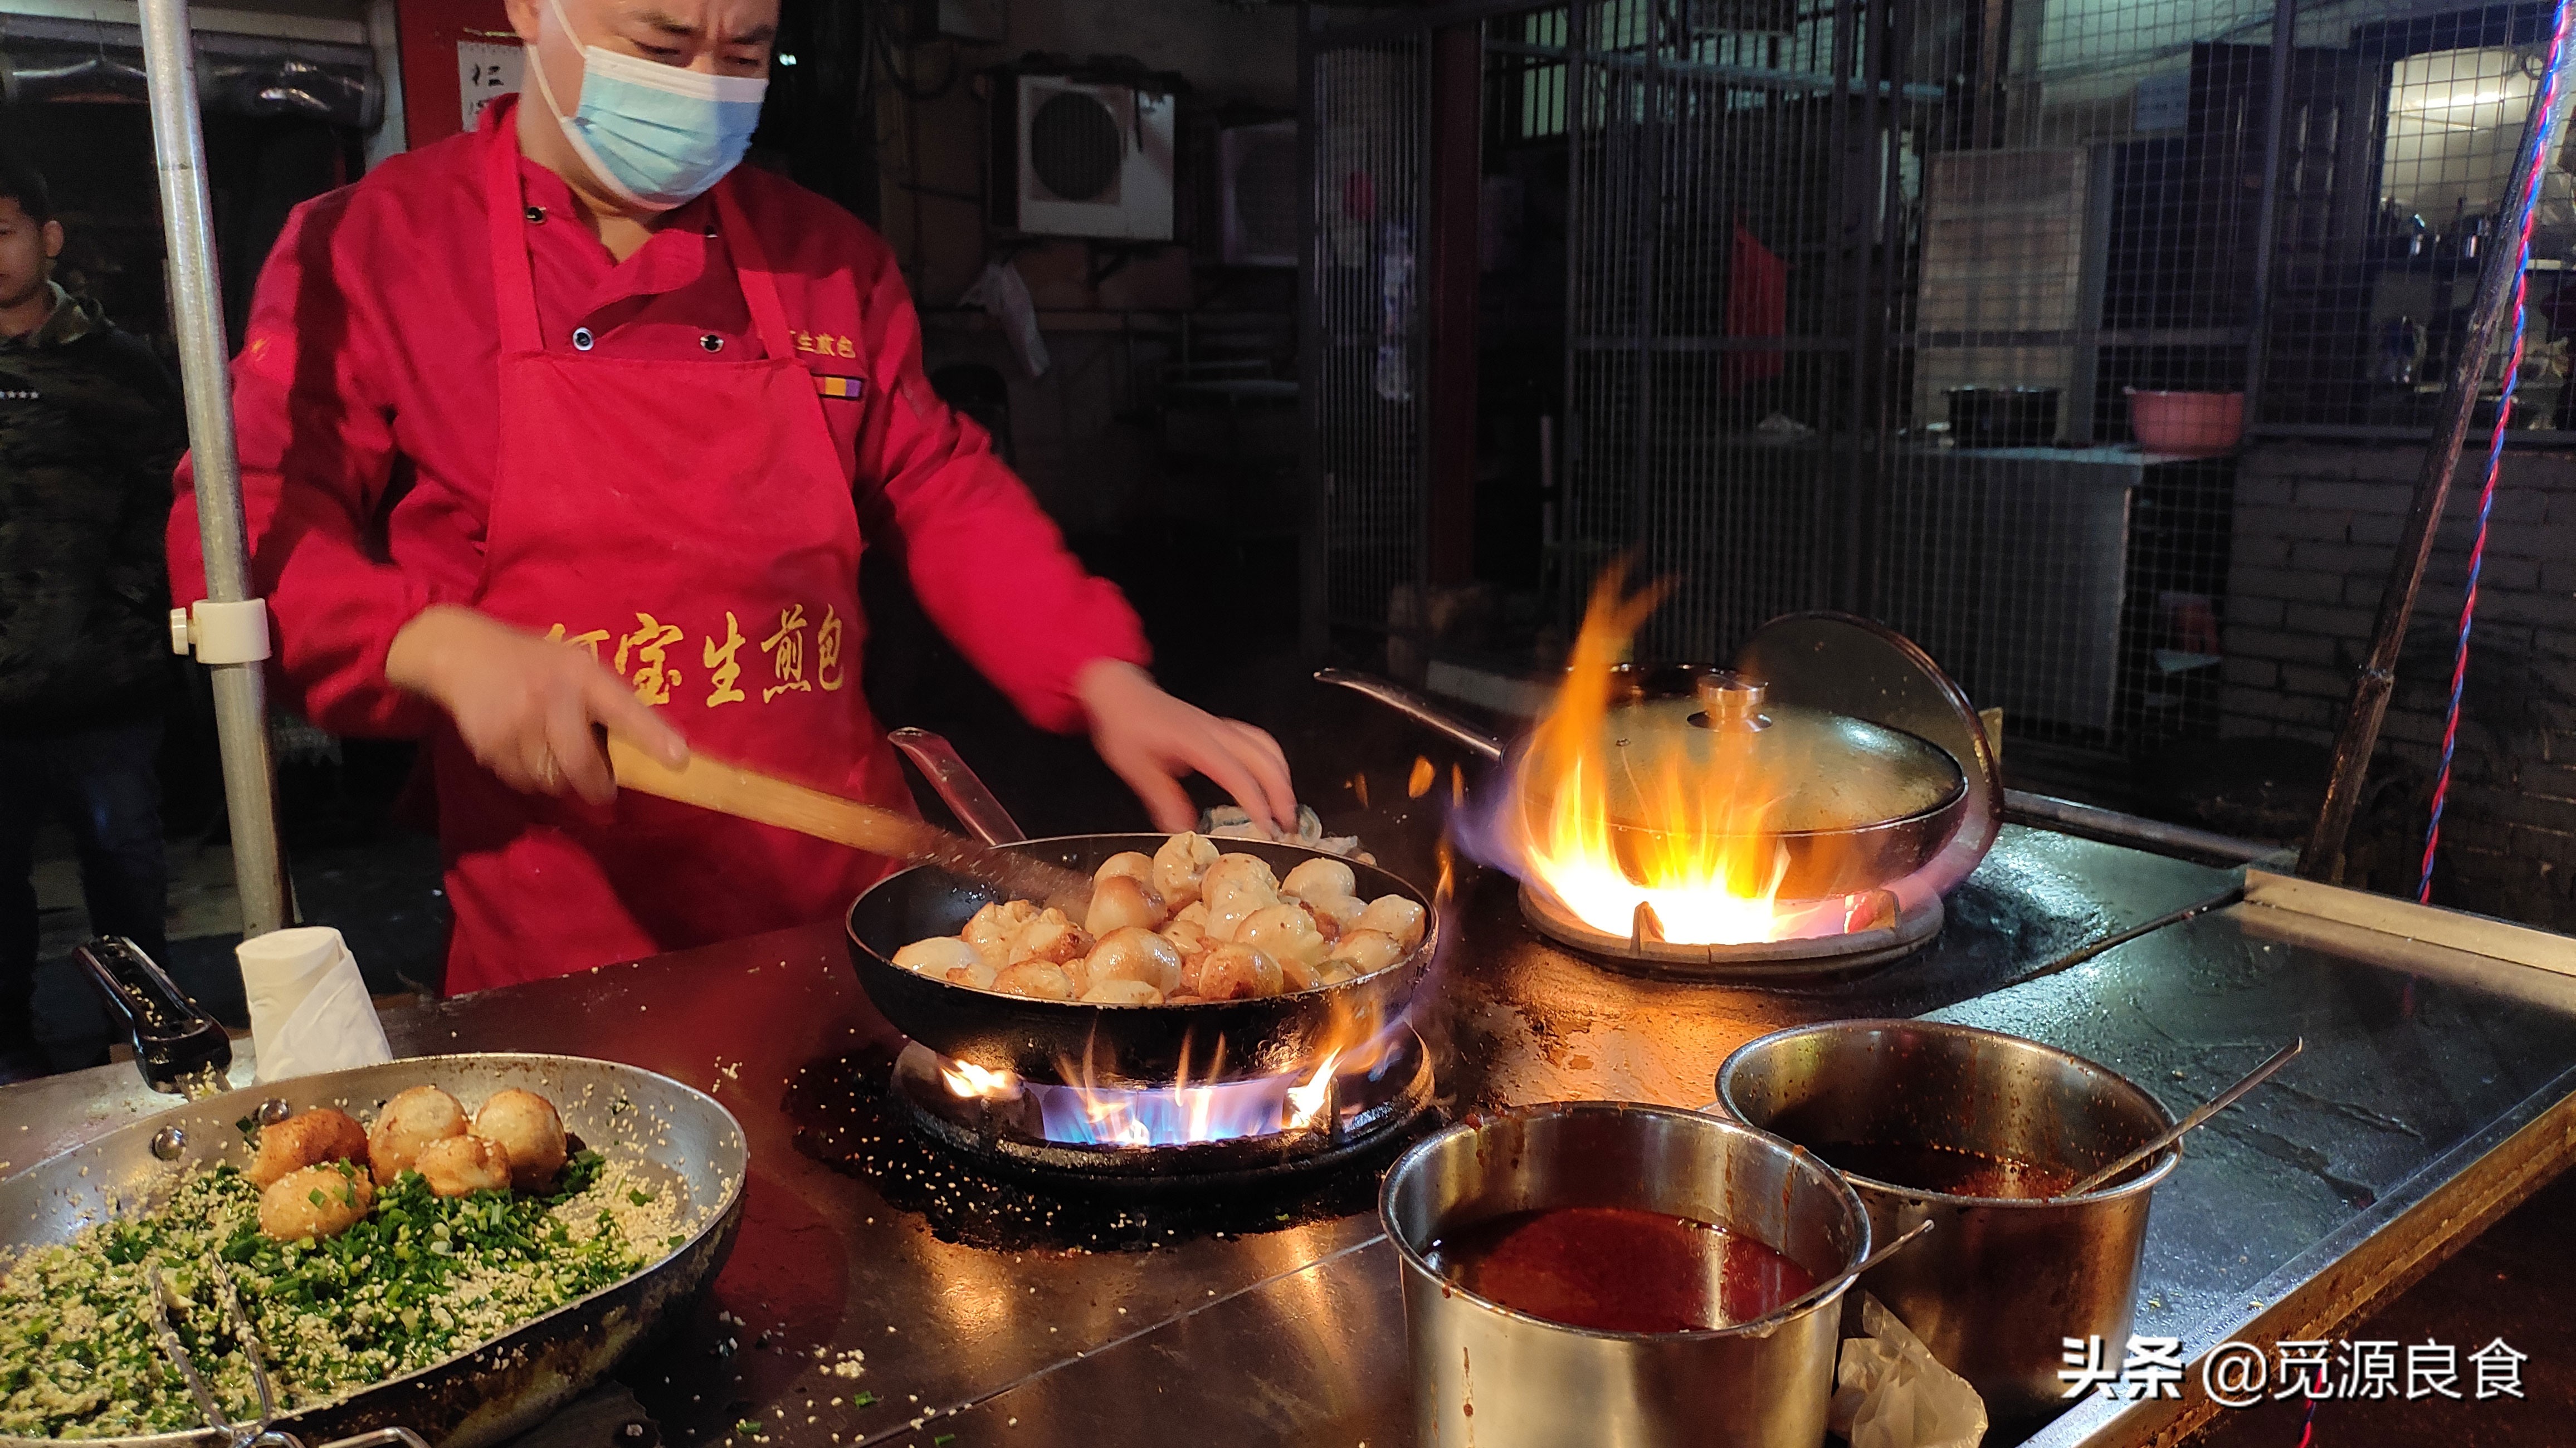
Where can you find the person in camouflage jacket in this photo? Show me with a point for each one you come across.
(91, 427)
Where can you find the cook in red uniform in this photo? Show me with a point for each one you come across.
(568, 423)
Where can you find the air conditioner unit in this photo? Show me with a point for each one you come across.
(1082, 158)
(1261, 167)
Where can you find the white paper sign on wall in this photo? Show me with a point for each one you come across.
(2164, 102)
(485, 73)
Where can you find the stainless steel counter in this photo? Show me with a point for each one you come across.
(1003, 1315)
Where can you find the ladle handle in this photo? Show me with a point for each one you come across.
(958, 787)
(1413, 706)
(746, 793)
(2174, 1133)
(1904, 1239)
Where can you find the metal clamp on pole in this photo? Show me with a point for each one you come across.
(222, 633)
(229, 631)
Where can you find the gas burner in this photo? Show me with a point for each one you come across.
(1877, 932)
(1185, 1138)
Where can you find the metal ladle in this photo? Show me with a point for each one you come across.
(2172, 1134)
(1859, 1270)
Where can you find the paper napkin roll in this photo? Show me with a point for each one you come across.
(309, 1010)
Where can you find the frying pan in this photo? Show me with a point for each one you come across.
(1896, 782)
(1142, 1046)
(1818, 863)
(1138, 1046)
(688, 1144)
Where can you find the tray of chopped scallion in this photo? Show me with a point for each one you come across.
(456, 1244)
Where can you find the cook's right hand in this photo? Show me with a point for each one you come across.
(525, 705)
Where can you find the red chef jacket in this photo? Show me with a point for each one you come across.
(366, 395)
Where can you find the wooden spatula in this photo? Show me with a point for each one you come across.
(732, 789)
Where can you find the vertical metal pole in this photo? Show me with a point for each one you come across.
(187, 219)
(1420, 202)
(392, 135)
(2267, 215)
(1994, 65)
(1878, 340)
(1314, 532)
(1852, 135)
(1573, 522)
(1645, 231)
(1453, 190)
(2101, 192)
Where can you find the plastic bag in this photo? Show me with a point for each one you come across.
(1003, 293)
(1890, 1392)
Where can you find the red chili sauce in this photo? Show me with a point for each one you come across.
(1949, 1170)
(1619, 1269)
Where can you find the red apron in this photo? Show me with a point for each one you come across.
(689, 523)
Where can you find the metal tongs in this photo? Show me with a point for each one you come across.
(179, 1048)
(261, 1434)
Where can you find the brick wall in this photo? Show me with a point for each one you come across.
(2315, 527)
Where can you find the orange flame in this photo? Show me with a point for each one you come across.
(1686, 836)
(1306, 1103)
(967, 1080)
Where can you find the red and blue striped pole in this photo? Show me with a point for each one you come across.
(2545, 102)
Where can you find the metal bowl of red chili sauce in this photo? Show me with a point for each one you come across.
(1597, 1272)
(1983, 1133)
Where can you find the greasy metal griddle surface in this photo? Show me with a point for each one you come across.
(1275, 1319)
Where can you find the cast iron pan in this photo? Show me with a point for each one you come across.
(1124, 1045)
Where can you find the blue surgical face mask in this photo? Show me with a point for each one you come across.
(657, 135)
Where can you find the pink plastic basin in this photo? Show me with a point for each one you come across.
(2189, 424)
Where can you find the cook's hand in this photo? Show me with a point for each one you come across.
(525, 705)
(1152, 739)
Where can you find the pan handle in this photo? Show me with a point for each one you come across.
(177, 1046)
(1413, 706)
(958, 787)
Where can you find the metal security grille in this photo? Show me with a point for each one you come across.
(1710, 332)
(1990, 319)
(1364, 332)
(2411, 118)
(2090, 211)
